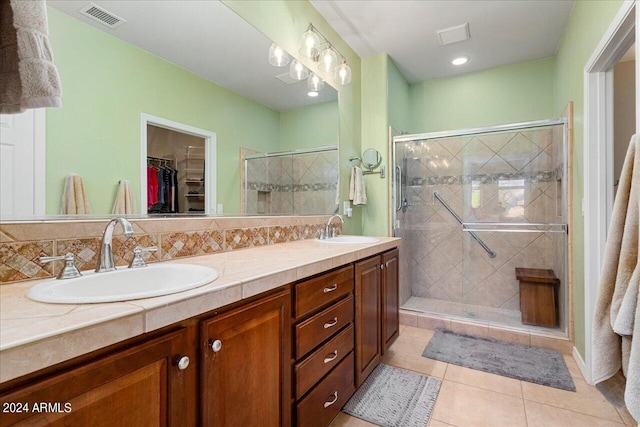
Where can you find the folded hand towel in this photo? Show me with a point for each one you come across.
(617, 310)
(28, 78)
(74, 198)
(357, 192)
(125, 202)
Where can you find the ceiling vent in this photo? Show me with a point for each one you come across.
(287, 79)
(102, 16)
(455, 34)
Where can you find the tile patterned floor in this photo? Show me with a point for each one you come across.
(470, 398)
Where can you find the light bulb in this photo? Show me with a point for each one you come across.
(461, 60)
(277, 56)
(328, 60)
(309, 42)
(342, 74)
(297, 71)
(315, 83)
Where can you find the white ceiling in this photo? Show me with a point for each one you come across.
(206, 38)
(502, 32)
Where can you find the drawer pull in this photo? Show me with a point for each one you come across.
(332, 357)
(331, 402)
(331, 323)
(331, 288)
(183, 363)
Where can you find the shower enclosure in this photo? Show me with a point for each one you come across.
(474, 205)
(295, 182)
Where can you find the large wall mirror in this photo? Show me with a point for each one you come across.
(194, 80)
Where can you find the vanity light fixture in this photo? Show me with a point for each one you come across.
(277, 56)
(460, 61)
(297, 71)
(314, 45)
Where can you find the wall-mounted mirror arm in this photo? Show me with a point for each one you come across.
(370, 160)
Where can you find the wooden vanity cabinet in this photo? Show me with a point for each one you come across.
(146, 384)
(377, 310)
(324, 344)
(245, 365)
(390, 299)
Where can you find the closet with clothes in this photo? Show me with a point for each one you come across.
(162, 186)
(175, 171)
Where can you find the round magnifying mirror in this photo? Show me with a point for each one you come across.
(371, 158)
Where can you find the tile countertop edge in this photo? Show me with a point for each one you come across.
(16, 359)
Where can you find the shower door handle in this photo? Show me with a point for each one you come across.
(397, 192)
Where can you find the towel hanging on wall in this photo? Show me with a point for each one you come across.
(28, 78)
(125, 203)
(357, 191)
(617, 310)
(74, 198)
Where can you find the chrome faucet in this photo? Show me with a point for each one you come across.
(327, 234)
(105, 256)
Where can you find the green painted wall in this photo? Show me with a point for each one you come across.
(508, 94)
(587, 24)
(375, 124)
(309, 126)
(97, 132)
(399, 96)
(284, 21)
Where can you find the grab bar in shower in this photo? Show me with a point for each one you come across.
(491, 253)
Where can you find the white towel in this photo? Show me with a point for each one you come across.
(28, 78)
(617, 310)
(74, 198)
(125, 202)
(357, 192)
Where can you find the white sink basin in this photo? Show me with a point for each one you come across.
(350, 239)
(123, 284)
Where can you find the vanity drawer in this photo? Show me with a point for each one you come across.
(315, 293)
(323, 403)
(314, 367)
(313, 331)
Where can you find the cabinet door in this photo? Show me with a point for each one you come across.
(390, 299)
(140, 386)
(367, 317)
(246, 365)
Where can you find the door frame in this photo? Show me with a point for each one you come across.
(597, 203)
(210, 181)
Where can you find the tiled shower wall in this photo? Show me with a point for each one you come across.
(299, 184)
(22, 243)
(500, 177)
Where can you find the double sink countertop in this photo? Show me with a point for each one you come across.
(36, 335)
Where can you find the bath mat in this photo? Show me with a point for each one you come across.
(394, 397)
(519, 361)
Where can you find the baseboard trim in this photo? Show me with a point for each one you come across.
(583, 366)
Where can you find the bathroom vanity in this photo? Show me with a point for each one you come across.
(283, 343)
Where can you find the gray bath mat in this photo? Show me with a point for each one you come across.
(394, 397)
(519, 361)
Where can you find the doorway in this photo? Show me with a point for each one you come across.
(599, 146)
(178, 168)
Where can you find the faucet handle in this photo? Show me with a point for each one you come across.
(69, 271)
(137, 260)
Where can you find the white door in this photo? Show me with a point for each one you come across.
(22, 164)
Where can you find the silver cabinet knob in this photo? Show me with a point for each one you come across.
(183, 363)
(216, 346)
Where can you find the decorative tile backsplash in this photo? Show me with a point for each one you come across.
(22, 243)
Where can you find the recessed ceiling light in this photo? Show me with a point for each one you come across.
(460, 61)
(313, 94)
